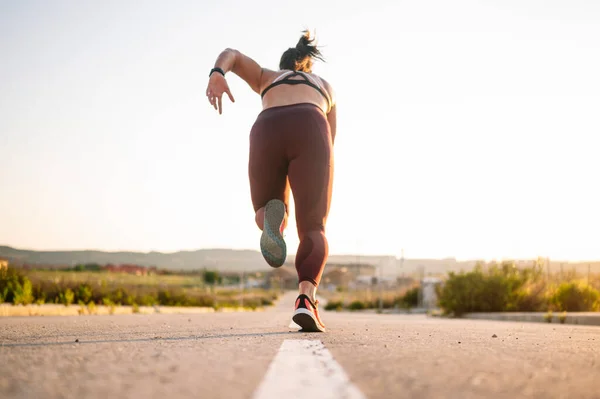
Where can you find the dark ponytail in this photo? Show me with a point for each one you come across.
(300, 58)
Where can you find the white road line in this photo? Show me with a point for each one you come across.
(305, 369)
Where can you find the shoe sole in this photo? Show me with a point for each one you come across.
(305, 319)
(272, 245)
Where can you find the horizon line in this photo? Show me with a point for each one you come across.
(396, 257)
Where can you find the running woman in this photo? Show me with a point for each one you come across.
(291, 146)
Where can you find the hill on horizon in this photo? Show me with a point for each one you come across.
(233, 260)
(230, 260)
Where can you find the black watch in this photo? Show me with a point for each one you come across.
(216, 70)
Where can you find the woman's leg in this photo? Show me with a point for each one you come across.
(310, 174)
(269, 188)
(311, 179)
(312, 196)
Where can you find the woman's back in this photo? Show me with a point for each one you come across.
(286, 87)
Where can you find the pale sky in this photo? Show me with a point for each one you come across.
(466, 129)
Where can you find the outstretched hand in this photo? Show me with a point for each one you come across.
(217, 85)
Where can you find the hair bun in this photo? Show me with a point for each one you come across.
(298, 52)
(304, 45)
(301, 57)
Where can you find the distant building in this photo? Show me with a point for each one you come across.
(355, 269)
(284, 277)
(405, 281)
(254, 279)
(3, 264)
(364, 281)
(338, 277)
(429, 298)
(335, 275)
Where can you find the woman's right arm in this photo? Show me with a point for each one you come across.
(231, 60)
(243, 66)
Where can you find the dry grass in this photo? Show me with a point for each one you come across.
(117, 279)
(87, 292)
(77, 310)
(365, 298)
(364, 295)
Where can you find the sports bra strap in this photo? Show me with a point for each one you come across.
(285, 79)
(283, 75)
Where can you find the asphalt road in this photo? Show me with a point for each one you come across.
(228, 355)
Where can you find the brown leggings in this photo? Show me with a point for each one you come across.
(291, 146)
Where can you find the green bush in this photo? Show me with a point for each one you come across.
(147, 300)
(92, 267)
(410, 298)
(21, 286)
(251, 303)
(211, 277)
(84, 292)
(119, 296)
(110, 304)
(334, 305)
(23, 293)
(67, 297)
(500, 288)
(562, 318)
(266, 302)
(173, 298)
(357, 305)
(531, 297)
(15, 287)
(575, 297)
(129, 300)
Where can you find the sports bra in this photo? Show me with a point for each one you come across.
(308, 80)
